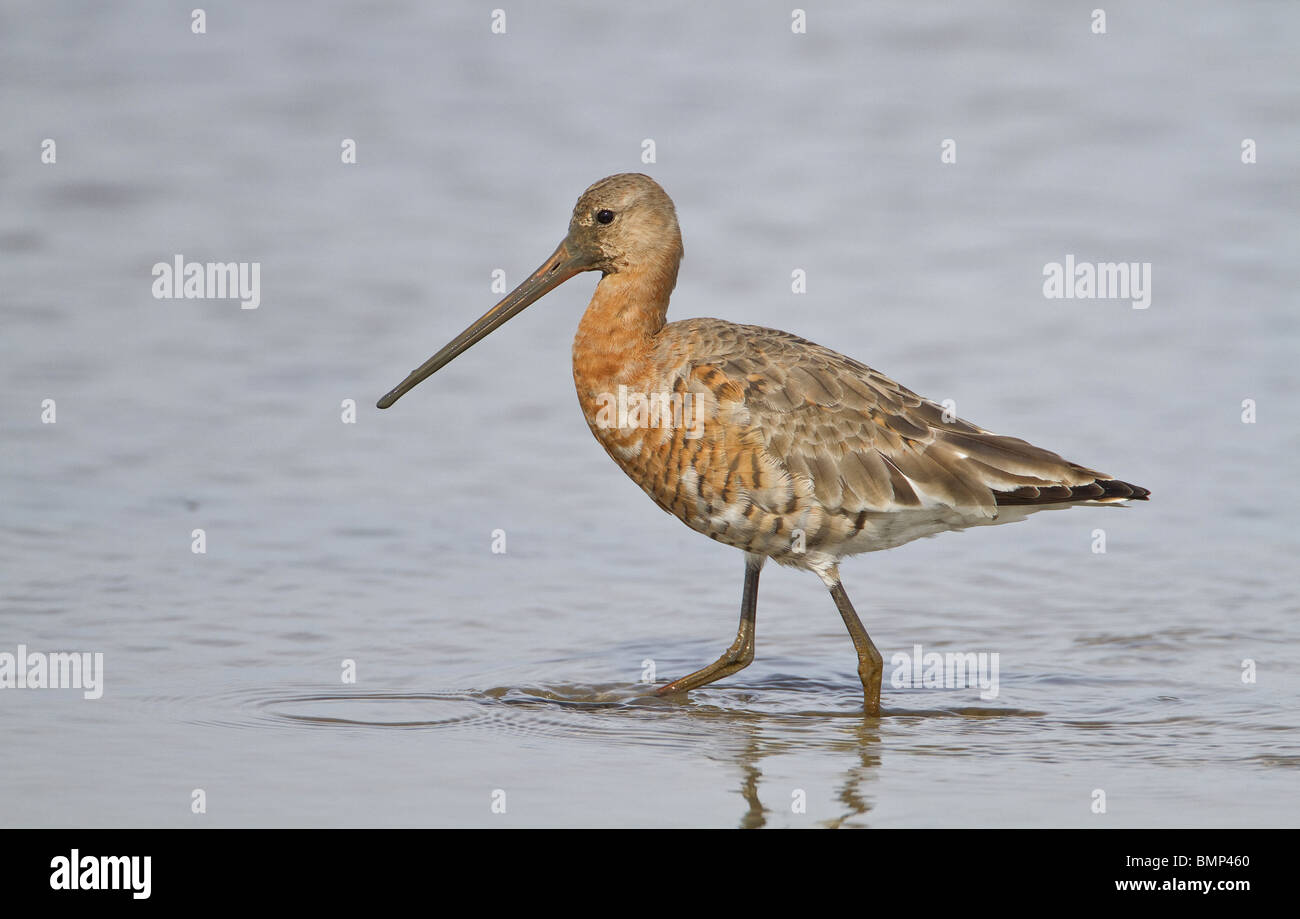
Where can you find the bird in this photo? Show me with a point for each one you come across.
(760, 439)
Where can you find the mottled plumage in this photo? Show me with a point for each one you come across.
(783, 448)
(799, 438)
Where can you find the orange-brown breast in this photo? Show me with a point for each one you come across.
(691, 448)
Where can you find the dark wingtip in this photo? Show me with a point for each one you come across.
(1125, 490)
(1100, 490)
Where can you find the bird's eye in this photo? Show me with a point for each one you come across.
(605, 216)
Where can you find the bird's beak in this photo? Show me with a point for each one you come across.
(563, 264)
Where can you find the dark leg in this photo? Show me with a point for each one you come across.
(870, 663)
(741, 652)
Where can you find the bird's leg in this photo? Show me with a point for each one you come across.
(870, 663)
(741, 652)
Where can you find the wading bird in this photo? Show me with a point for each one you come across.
(800, 454)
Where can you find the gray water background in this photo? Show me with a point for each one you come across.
(519, 672)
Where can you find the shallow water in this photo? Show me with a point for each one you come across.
(480, 673)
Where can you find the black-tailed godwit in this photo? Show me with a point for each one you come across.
(760, 439)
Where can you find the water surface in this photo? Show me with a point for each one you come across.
(478, 672)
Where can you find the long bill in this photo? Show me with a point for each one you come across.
(562, 265)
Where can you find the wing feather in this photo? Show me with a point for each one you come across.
(859, 442)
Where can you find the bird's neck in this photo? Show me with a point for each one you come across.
(616, 336)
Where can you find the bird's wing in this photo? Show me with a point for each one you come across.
(860, 441)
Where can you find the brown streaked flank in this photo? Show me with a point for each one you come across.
(805, 456)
